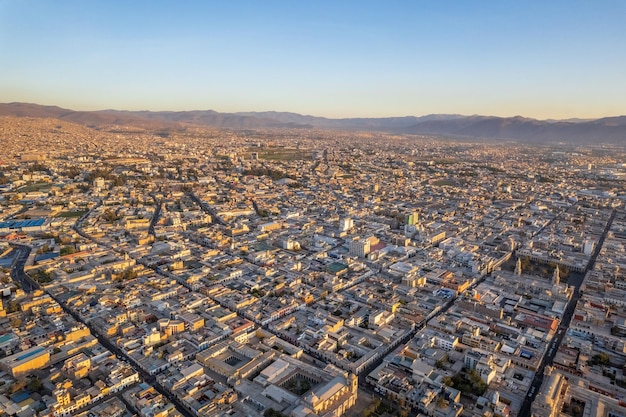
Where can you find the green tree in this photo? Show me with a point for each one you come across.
(35, 384)
(602, 359)
(43, 249)
(128, 273)
(13, 307)
(67, 250)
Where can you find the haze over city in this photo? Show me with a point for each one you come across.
(546, 60)
(312, 209)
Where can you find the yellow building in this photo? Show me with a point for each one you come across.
(77, 333)
(28, 360)
(268, 227)
(170, 327)
(77, 367)
(132, 224)
(193, 321)
(152, 338)
(333, 324)
(62, 397)
(35, 301)
(82, 400)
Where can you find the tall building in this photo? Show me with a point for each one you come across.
(588, 247)
(346, 224)
(412, 219)
(556, 277)
(360, 247)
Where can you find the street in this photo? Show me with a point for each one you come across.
(17, 268)
(567, 318)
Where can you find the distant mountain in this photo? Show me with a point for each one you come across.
(210, 118)
(87, 118)
(386, 123)
(607, 130)
(577, 131)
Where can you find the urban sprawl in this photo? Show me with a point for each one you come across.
(206, 272)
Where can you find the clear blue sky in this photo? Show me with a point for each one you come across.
(543, 59)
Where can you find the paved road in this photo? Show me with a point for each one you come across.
(17, 268)
(207, 209)
(418, 327)
(525, 411)
(158, 205)
(27, 283)
(567, 318)
(120, 354)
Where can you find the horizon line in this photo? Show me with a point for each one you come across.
(311, 115)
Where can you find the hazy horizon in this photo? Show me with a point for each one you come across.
(308, 114)
(539, 60)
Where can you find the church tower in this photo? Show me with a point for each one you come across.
(518, 267)
(556, 278)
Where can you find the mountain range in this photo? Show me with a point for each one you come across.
(575, 131)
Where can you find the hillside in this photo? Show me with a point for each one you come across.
(606, 130)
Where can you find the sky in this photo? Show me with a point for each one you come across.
(553, 59)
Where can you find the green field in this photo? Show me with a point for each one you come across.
(70, 214)
(282, 154)
(38, 186)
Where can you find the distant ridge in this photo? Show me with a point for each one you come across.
(575, 131)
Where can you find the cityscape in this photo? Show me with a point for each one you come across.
(210, 272)
(313, 208)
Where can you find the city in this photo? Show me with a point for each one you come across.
(295, 272)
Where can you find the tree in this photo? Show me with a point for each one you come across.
(469, 382)
(257, 293)
(43, 249)
(371, 409)
(67, 250)
(42, 276)
(128, 273)
(109, 215)
(442, 402)
(270, 412)
(4, 179)
(13, 307)
(119, 180)
(602, 359)
(441, 363)
(15, 322)
(71, 172)
(35, 384)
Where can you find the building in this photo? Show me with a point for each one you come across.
(363, 247)
(412, 219)
(331, 399)
(25, 361)
(346, 224)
